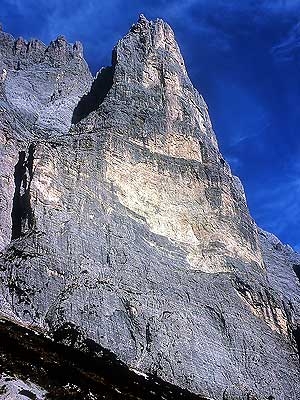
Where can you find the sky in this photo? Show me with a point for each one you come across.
(243, 56)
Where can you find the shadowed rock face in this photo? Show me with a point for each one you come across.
(92, 100)
(44, 369)
(141, 237)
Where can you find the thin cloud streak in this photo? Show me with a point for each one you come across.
(283, 195)
(289, 46)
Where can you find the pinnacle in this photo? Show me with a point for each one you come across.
(142, 19)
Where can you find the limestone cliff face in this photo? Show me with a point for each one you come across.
(159, 138)
(131, 227)
(39, 88)
(44, 82)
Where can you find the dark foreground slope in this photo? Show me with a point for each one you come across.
(62, 371)
(130, 228)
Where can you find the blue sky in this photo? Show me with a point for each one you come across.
(244, 58)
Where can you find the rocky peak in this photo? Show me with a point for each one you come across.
(44, 82)
(20, 46)
(147, 100)
(60, 51)
(160, 34)
(78, 49)
(147, 64)
(20, 51)
(131, 232)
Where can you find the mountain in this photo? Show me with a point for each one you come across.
(123, 227)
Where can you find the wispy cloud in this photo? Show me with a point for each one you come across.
(234, 162)
(289, 46)
(280, 6)
(278, 208)
(201, 16)
(252, 132)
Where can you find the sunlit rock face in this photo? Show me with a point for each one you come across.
(132, 228)
(44, 82)
(161, 155)
(39, 88)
